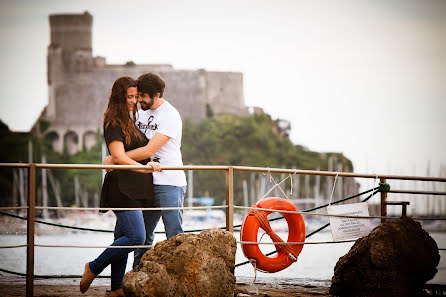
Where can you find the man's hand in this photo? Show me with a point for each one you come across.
(108, 161)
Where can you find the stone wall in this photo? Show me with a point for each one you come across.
(224, 92)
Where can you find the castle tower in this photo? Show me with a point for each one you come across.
(69, 56)
(70, 49)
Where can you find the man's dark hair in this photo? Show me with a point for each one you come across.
(151, 84)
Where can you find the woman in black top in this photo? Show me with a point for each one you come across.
(122, 188)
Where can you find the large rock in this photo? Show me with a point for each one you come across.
(394, 260)
(186, 265)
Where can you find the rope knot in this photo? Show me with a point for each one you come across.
(384, 187)
(264, 223)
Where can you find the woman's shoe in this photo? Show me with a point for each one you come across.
(117, 293)
(87, 278)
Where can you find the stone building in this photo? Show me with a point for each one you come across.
(79, 86)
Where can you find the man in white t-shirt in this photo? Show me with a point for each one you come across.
(162, 125)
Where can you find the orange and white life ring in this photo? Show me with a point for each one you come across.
(255, 219)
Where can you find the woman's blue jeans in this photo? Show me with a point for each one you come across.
(129, 230)
(165, 196)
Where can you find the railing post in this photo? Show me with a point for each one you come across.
(404, 210)
(30, 231)
(383, 201)
(230, 199)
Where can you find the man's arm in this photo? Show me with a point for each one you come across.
(144, 152)
(118, 153)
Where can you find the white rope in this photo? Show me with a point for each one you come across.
(220, 206)
(278, 185)
(147, 208)
(272, 180)
(294, 243)
(311, 213)
(272, 188)
(13, 246)
(96, 246)
(14, 207)
(271, 210)
(291, 177)
(254, 264)
(334, 185)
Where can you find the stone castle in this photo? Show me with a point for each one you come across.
(79, 86)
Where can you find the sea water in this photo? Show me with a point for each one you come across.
(315, 261)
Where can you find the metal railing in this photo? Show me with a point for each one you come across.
(31, 204)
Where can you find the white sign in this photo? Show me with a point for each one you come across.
(349, 228)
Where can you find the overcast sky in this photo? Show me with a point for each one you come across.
(366, 78)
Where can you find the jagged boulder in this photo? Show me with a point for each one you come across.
(396, 259)
(186, 265)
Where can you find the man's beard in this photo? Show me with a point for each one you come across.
(144, 106)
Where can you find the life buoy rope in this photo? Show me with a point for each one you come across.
(265, 225)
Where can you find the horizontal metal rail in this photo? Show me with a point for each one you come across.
(333, 173)
(15, 165)
(225, 168)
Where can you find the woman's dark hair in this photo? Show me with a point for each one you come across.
(117, 114)
(151, 84)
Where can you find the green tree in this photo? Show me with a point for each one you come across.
(252, 140)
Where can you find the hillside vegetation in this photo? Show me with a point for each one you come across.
(254, 140)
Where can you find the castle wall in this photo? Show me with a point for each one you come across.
(225, 92)
(186, 91)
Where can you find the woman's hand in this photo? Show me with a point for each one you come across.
(155, 166)
(108, 161)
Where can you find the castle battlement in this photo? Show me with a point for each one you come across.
(71, 31)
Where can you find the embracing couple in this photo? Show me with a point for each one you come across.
(149, 136)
